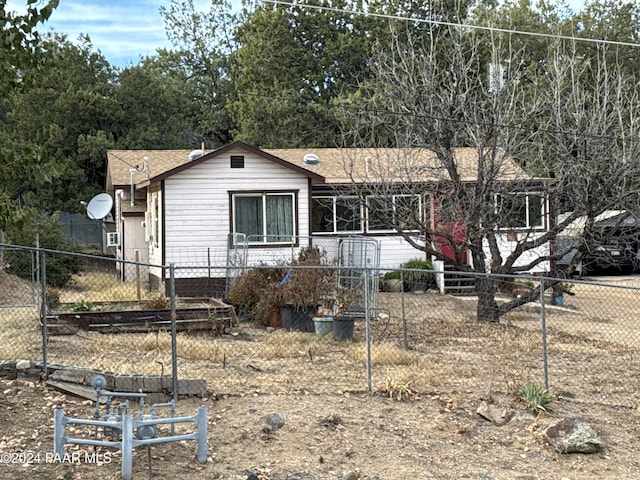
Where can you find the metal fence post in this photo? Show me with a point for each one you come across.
(367, 318)
(174, 336)
(43, 312)
(405, 333)
(543, 326)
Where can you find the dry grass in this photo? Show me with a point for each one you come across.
(98, 287)
(592, 339)
(381, 354)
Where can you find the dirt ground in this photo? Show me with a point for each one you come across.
(434, 433)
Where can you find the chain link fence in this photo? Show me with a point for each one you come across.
(402, 332)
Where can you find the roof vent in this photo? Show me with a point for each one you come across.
(310, 159)
(195, 154)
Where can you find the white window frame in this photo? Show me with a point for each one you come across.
(155, 215)
(528, 196)
(263, 196)
(334, 200)
(113, 239)
(393, 202)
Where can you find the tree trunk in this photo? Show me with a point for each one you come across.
(487, 310)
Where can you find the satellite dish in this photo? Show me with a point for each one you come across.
(99, 206)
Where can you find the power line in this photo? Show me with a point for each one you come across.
(358, 110)
(452, 24)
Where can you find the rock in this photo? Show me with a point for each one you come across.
(495, 414)
(572, 435)
(350, 476)
(275, 421)
(300, 476)
(23, 364)
(522, 417)
(250, 474)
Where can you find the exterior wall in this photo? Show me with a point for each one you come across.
(393, 249)
(507, 246)
(197, 211)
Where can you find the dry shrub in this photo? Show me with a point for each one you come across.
(519, 344)
(283, 344)
(381, 354)
(101, 287)
(420, 377)
(201, 348)
(155, 342)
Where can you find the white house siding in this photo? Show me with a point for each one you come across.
(197, 210)
(507, 246)
(394, 250)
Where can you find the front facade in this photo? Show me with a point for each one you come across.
(239, 204)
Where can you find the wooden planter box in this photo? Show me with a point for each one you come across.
(218, 316)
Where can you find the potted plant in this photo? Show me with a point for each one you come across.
(393, 281)
(416, 278)
(559, 290)
(344, 319)
(323, 319)
(522, 287)
(304, 289)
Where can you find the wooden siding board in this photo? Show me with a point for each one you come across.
(197, 205)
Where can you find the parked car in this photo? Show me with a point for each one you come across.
(613, 243)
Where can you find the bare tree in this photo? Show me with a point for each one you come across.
(512, 142)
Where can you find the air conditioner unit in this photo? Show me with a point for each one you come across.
(113, 239)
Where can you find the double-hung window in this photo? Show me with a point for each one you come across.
(336, 215)
(521, 210)
(393, 212)
(265, 217)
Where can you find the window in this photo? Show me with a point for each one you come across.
(336, 215)
(264, 217)
(113, 239)
(521, 210)
(156, 221)
(390, 213)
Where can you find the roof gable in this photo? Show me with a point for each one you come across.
(165, 163)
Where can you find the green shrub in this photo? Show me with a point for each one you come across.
(416, 275)
(60, 267)
(82, 306)
(393, 275)
(535, 397)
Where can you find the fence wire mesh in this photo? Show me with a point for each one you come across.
(256, 336)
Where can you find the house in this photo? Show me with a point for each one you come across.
(203, 210)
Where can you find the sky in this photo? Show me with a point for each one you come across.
(122, 30)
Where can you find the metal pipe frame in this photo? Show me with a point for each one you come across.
(127, 442)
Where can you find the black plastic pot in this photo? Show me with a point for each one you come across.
(297, 319)
(342, 328)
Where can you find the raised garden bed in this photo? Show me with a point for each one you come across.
(215, 317)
